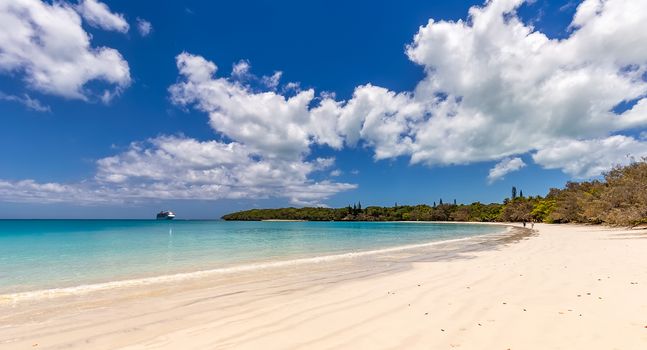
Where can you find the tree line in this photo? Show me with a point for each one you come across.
(619, 198)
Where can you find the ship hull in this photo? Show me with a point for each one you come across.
(165, 215)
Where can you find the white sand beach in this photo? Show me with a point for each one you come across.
(563, 287)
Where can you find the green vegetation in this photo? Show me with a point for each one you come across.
(620, 199)
(442, 212)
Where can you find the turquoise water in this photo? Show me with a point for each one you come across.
(45, 254)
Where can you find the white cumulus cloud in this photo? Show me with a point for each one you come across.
(509, 89)
(97, 14)
(494, 88)
(179, 167)
(588, 158)
(269, 123)
(504, 167)
(46, 45)
(174, 167)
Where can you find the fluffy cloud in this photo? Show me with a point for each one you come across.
(270, 124)
(508, 89)
(48, 47)
(494, 88)
(170, 167)
(275, 131)
(144, 27)
(504, 167)
(587, 158)
(97, 14)
(267, 152)
(382, 119)
(179, 167)
(182, 168)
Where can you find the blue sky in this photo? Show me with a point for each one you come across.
(511, 93)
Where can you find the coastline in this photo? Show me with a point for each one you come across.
(24, 296)
(563, 287)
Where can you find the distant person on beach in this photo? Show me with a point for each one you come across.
(524, 224)
(532, 224)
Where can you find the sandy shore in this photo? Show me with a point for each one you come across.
(564, 287)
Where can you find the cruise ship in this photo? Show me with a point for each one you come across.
(165, 215)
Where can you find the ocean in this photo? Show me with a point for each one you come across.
(42, 255)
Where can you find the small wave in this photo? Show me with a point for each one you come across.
(88, 288)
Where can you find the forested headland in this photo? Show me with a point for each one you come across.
(619, 198)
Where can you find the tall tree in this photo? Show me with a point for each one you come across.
(520, 193)
(514, 192)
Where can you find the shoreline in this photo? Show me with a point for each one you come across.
(563, 286)
(49, 293)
